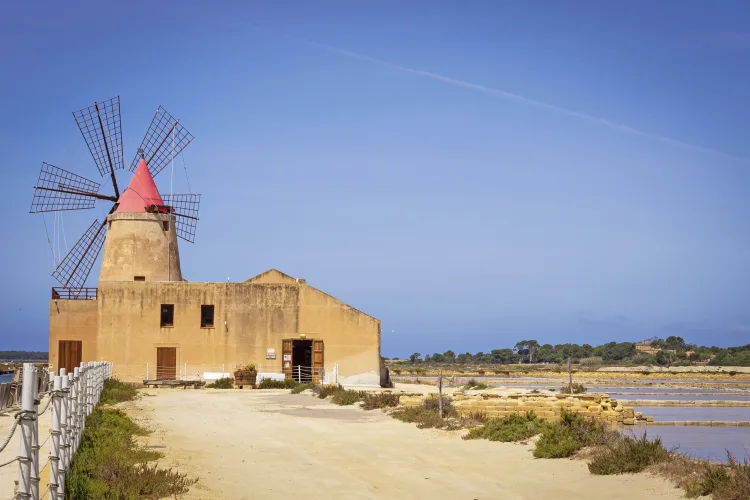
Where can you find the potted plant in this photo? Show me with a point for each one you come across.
(245, 375)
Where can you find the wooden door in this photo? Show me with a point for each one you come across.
(286, 357)
(317, 360)
(166, 363)
(70, 354)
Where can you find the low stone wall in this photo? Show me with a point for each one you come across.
(549, 407)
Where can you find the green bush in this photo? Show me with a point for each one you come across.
(628, 455)
(346, 397)
(115, 391)
(423, 417)
(431, 403)
(734, 484)
(221, 383)
(268, 383)
(577, 389)
(375, 400)
(109, 464)
(571, 433)
(473, 384)
(302, 387)
(324, 391)
(515, 427)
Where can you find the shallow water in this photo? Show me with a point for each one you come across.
(682, 397)
(710, 443)
(6, 377)
(697, 414)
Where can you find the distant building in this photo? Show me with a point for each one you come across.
(646, 347)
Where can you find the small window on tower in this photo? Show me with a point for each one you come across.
(207, 316)
(167, 315)
(139, 278)
(165, 224)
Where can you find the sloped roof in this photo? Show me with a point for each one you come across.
(272, 276)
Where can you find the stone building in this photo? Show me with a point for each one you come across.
(151, 323)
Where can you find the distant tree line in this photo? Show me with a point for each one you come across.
(23, 356)
(672, 351)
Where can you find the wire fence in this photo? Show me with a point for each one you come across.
(72, 397)
(189, 374)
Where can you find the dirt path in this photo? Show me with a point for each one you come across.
(269, 444)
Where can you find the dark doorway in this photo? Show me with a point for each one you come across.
(69, 354)
(302, 360)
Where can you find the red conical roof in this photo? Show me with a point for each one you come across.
(141, 192)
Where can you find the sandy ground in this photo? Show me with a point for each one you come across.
(271, 444)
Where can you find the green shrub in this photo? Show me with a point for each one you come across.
(346, 397)
(628, 455)
(515, 427)
(221, 383)
(571, 433)
(577, 389)
(115, 391)
(268, 383)
(302, 387)
(431, 403)
(374, 400)
(324, 391)
(423, 417)
(109, 464)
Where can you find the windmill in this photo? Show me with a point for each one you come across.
(58, 190)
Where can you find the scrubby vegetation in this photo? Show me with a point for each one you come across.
(376, 400)
(627, 455)
(575, 389)
(568, 435)
(116, 392)
(221, 383)
(473, 384)
(109, 464)
(514, 427)
(302, 387)
(268, 383)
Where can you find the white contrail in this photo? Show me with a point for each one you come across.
(510, 96)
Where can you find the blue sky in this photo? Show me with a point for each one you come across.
(471, 173)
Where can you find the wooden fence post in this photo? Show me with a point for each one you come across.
(570, 377)
(55, 451)
(27, 420)
(440, 394)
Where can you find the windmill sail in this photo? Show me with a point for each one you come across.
(185, 209)
(101, 127)
(57, 190)
(164, 135)
(74, 269)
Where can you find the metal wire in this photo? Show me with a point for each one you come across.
(157, 156)
(9, 462)
(74, 269)
(57, 189)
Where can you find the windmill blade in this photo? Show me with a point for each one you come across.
(101, 128)
(74, 269)
(157, 145)
(57, 190)
(185, 209)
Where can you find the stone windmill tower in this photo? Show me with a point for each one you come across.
(139, 234)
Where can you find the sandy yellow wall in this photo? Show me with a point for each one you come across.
(351, 338)
(73, 320)
(258, 316)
